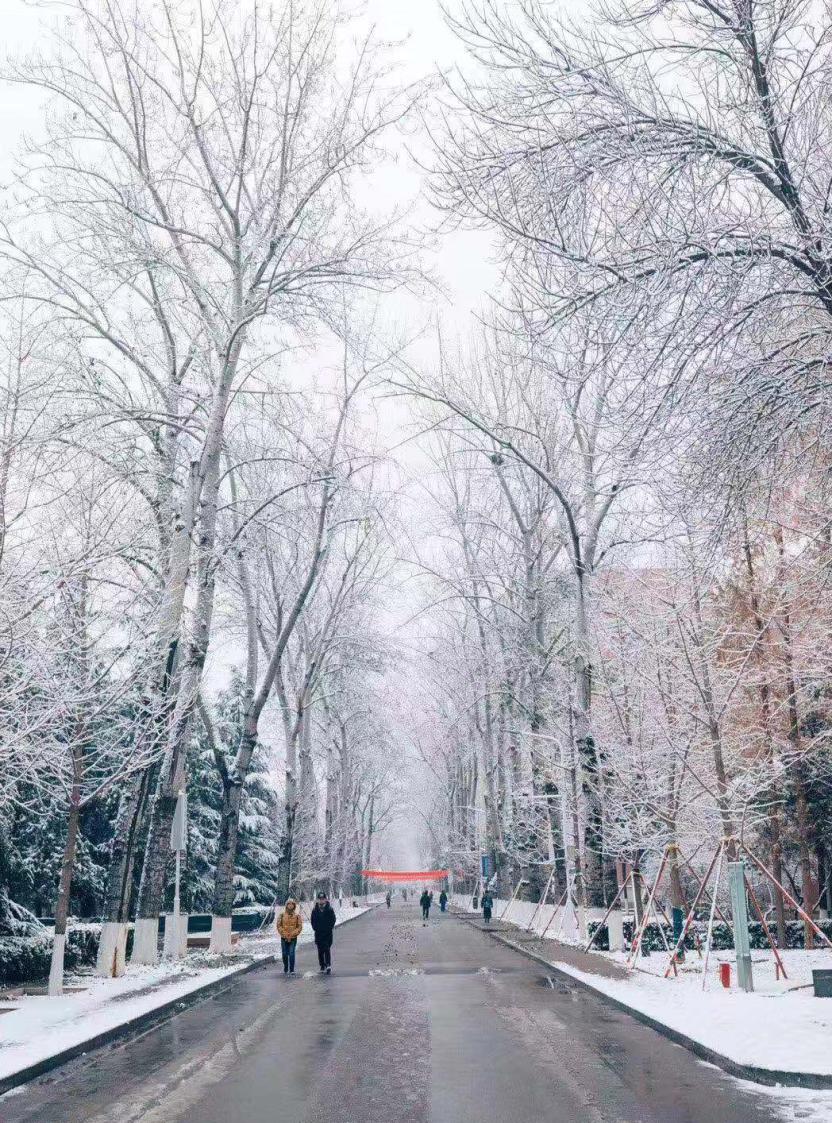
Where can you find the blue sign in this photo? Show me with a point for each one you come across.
(487, 866)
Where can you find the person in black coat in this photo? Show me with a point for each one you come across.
(426, 900)
(487, 903)
(323, 925)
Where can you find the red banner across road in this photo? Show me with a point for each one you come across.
(405, 875)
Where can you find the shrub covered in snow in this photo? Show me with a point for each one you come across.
(723, 937)
(25, 959)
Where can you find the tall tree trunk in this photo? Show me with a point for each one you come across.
(574, 852)
(233, 789)
(588, 758)
(112, 944)
(804, 819)
(223, 901)
(172, 772)
(823, 875)
(56, 970)
(204, 490)
(777, 870)
(284, 862)
(714, 732)
(804, 834)
(776, 856)
(678, 903)
(638, 900)
(330, 814)
(5, 854)
(367, 857)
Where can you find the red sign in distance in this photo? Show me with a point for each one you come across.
(405, 875)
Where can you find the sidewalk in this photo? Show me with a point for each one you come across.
(778, 1035)
(564, 955)
(38, 1033)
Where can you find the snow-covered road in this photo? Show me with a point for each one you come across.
(436, 1024)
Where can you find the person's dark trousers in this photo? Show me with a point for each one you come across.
(287, 951)
(425, 912)
(442, 907)
(487, 914)
(324, 956)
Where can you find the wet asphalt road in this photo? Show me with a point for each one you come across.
(437, 1024)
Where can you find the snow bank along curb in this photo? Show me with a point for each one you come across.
(124, 1029)
(769, 1076)
(145, 1020)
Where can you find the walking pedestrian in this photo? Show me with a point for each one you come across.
(323, 925)
(425, 901)
(289, 927)
(487, 903)
(443, 900)
(388, 898)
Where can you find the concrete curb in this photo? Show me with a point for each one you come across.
(141, 1022)
(768, 1076)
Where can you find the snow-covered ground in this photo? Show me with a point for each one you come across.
(777, 1027)
(559, 924)
(33, 1028)
(781, 1026)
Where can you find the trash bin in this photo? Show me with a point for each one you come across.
(822, 979)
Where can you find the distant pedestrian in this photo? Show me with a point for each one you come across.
(289, 927)
(487, 902)
(323, 925)
(426, 900)
(443, 900)
(404, 894)
(388, 898)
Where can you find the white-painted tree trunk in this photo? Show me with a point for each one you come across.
(145, 940)
(167, 943)
(615, 929)
(572, 923)
(56, 968)
(112, 950)
(220, 935)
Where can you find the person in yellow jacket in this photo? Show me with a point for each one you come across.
(289, 927)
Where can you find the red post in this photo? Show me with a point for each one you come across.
(725, 974)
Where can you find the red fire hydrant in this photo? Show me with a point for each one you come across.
(725, 974)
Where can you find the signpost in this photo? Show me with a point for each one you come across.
(739, 909)
(178, 844)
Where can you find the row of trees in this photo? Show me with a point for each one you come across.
(631, 605)
(176, 469)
